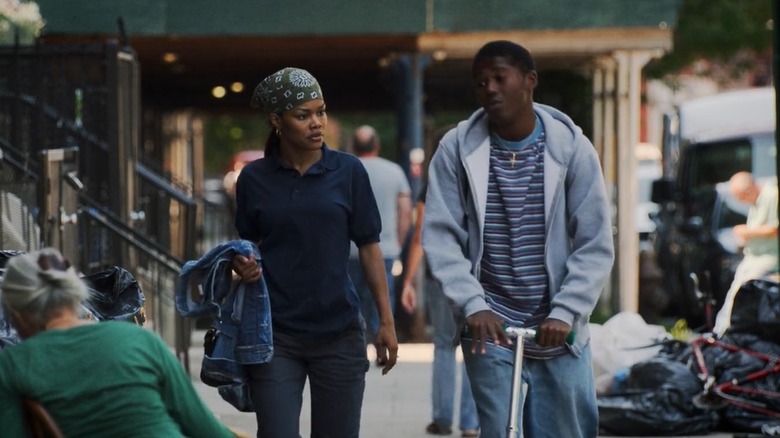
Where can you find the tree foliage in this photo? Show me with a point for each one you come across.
(716, 30)
(19, 21)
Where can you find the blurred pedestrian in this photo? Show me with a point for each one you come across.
(392, 194)
(445, 343)
(758, 237)
(518, 232)
(102, 379)
(302, 204)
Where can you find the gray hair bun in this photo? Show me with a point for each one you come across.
(41, 274)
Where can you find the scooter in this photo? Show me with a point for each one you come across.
(520, 334)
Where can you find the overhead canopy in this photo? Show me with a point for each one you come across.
(186, 47)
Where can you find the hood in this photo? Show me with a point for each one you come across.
(559, 128)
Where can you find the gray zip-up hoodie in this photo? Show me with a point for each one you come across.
(579, 250)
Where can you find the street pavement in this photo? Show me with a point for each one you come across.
(395, 405)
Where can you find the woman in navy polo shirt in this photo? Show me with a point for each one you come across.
(303, 203)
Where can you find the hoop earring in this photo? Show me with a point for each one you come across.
(278, 133)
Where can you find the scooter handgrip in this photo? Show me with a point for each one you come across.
(569, 338)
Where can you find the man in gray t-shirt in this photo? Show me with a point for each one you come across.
(393, 197)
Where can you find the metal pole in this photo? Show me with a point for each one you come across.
(409, 69)
(514, 405)
(513, 428)
(776, 79)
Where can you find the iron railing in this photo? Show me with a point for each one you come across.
(133, 215)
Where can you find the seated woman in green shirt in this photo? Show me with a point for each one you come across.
(95, 379)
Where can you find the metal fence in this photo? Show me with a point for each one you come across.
(19, 230)
(72, 174)
(218, 216)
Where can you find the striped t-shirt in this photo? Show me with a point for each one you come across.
(512, 271)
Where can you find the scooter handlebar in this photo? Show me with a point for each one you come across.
(519, 332)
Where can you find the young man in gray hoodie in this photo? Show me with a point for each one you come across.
(517, 230)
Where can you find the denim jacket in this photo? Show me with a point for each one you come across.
(242, 317)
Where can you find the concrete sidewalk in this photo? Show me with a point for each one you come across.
(395, 405)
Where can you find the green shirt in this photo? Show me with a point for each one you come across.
(109, 379)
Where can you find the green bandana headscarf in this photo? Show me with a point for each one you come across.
(285, 89)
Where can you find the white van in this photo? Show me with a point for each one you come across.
(713, 137)
(706, 141)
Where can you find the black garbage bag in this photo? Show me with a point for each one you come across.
(749, 420)
(676, 350)
(756, 310)
(751, 406)
(754, 405)
(657, 372)
(115, 295)
(657, 401)
(8, 334)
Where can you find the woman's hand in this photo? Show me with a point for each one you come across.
(386, 346)
(409, 299)
(246, 268)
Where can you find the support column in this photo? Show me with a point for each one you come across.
(597, 81)
(604, 141)
(408, 70)
(629, 82)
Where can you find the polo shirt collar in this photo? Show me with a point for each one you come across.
(328, 161)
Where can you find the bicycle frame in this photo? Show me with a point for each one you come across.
(724, 390)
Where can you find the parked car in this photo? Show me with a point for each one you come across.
(706, 141)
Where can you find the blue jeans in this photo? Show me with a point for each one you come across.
(444, 363)
(559, 395)
(367, 304)
(336, 369)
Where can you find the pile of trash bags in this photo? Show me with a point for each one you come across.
(114, 296)
(8, 335)
(670, 394)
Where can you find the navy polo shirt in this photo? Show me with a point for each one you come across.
(303, 225)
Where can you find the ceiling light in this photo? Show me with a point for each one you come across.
(440, 55)
(218, 91)
(170, 57)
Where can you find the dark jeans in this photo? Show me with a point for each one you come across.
(367, 303)
(336, 369)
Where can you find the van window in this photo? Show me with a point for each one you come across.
(714, 162)
(764, 152)
(711, 163)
